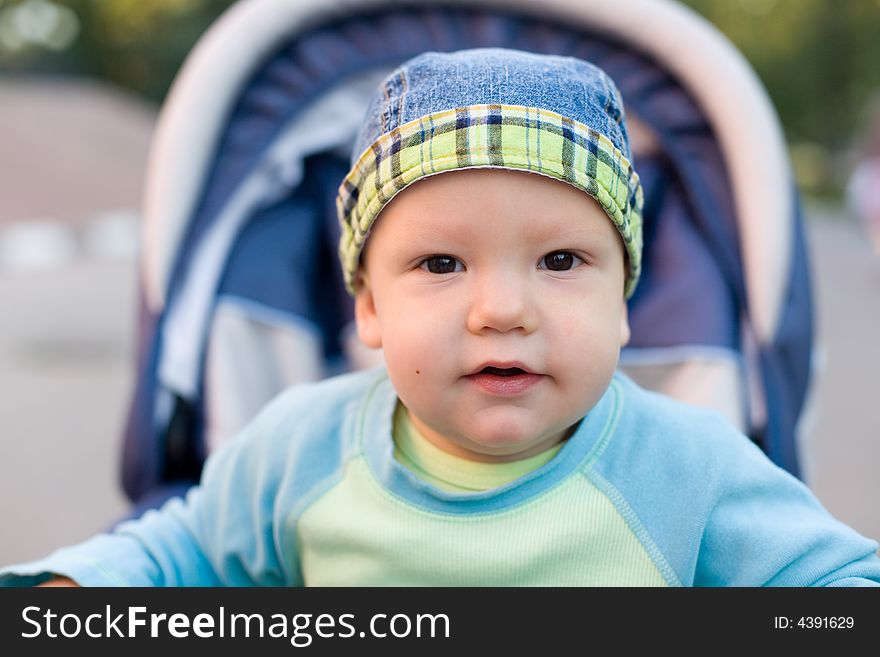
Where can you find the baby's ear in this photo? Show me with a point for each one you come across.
(624, 326)
(365, 313)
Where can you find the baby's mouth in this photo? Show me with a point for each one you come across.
(502, 371)
(504, 381)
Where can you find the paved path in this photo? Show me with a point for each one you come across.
(844, 449)
(65, 340)
(66, 335)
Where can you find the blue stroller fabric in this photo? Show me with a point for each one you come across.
(281, 257)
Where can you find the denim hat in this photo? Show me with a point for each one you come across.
(490, 107)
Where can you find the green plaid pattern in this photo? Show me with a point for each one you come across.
(504, 136)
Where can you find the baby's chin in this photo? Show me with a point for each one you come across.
(510, 443)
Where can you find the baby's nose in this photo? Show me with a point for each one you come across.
(501, 301)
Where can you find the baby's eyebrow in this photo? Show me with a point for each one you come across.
(437, 233)
(580, 231)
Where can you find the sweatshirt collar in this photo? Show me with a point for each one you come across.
(374, 429)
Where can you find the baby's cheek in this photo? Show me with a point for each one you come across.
(582, 349)
(571, 329)
(415, 351)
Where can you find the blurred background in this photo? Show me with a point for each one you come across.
(81, 82)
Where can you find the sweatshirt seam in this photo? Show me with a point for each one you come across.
(292, 518)
(323, 487)
(635, 525)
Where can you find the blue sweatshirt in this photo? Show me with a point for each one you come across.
(646, 492)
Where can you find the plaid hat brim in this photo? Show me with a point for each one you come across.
(500, 136)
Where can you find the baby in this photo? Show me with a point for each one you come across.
(491, 237)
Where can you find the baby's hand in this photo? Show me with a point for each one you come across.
(59, 581)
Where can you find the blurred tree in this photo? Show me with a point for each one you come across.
(136, 44)
(141, 44)
(817, 58)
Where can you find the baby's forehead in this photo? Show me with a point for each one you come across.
(464, 202)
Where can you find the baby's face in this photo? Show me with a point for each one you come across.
(488, 268)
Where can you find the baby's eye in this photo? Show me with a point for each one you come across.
(441, 264)
(560, 261)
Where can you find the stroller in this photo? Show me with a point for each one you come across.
(242, 294)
